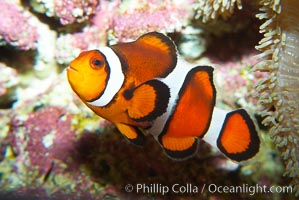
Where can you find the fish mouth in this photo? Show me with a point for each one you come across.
(71, 71)
(70, 68)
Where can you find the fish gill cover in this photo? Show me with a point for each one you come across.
(52, 147)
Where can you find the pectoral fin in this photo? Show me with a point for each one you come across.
(149, 100)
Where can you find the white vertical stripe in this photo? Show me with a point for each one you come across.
(216, 125)
(115, 81)
(174, 81)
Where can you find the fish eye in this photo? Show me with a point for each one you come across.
(96, 63)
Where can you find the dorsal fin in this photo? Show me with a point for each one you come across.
(159, 41)
(151, 56)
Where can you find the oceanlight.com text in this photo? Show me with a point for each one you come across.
(157, 188)
(249, 189)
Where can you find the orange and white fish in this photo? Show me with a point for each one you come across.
(143, 86)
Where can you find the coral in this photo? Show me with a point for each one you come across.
(68, 46)
(165, 16)
(45, 64)
(66, 11)
(62, 152)
(191, 43)
(43, 155)
(53, 147)
(210, 10)
(38, 145)
(15, 27)
(279, 92)
(5, 118)
(42, 138)
(238, 78)
(122, 22)
(8, 83)
(105, 13)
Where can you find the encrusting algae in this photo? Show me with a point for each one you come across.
(279, 92)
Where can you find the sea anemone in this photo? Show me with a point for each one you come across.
(210, 9)
(279, 92)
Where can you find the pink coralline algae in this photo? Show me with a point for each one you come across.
(74, 11)
(53, 147)
(240, 80)
(15, 27)
(104, 16)
(8, 83)
(165, 16)
(70, 45)
(67, 11)
(7, 78)
(116, 22)
(47, 137)
(45, 154)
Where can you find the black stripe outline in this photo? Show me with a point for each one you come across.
(140, 140)
(161, 102)
(182, 155)
(188, 77)
(107, 69)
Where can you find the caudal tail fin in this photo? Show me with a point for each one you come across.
(238, 138)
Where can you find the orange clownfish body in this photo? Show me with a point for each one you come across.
(143, 85)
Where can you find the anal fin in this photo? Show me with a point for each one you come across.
(179, 148)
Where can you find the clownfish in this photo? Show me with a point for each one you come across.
(143, 86)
